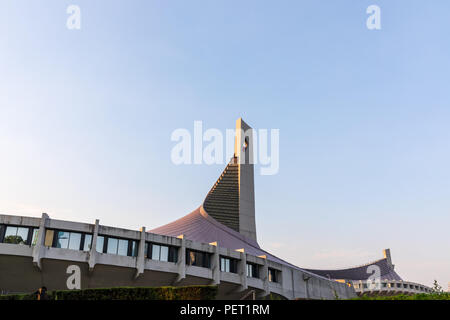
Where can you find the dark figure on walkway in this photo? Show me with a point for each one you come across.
(42, 293)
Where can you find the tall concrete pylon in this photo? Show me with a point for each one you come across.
(231, 200)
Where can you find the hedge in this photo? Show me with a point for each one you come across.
(421, 296)
(126, 293)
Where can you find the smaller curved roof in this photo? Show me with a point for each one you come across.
(361, 272)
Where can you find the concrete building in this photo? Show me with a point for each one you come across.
(215, 244)
(375, 278)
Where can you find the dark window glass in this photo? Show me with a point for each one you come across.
(173, 254)
(134, 249)
(199, 259)
(273, 275)
(252, 270)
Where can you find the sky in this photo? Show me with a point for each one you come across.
(86, 118)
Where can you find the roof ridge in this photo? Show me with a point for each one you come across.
(354, 267)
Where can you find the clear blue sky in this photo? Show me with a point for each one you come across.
(86, 118)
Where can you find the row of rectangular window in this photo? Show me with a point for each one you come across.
(18, 235)
(67, 240)
(252, 270)
(392, 285)
(109, 245)
(124, 247)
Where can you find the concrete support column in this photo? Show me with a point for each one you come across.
(306, 278)
(39, 248)
(140, 260)
(293, 283)
(264, 276)
(215, 264)
(242, 269)
(181, 260)
(93, 251)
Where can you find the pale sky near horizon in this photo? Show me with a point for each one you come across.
(86, 117)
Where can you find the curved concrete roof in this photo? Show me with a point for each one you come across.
(361, 272)
(201, 227)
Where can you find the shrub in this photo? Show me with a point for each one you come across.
(127, 293)
(421, 296)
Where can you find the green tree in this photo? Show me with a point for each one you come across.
(437, 288)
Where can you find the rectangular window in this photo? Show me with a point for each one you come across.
(134, 249)
(273, 277)
(87, 242)
(197, 258)
(224, 265)
(22, 233)
(62, 239)
(16, 235)
(112, 245)
(123, 247)
(68, 240)
(49, 234)
(75, 241)
(34, 237)
(100, 244)
(173, 254)
(156, 251)
(164, 256)
(252, 270)
(160, 253)
(228, 265)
